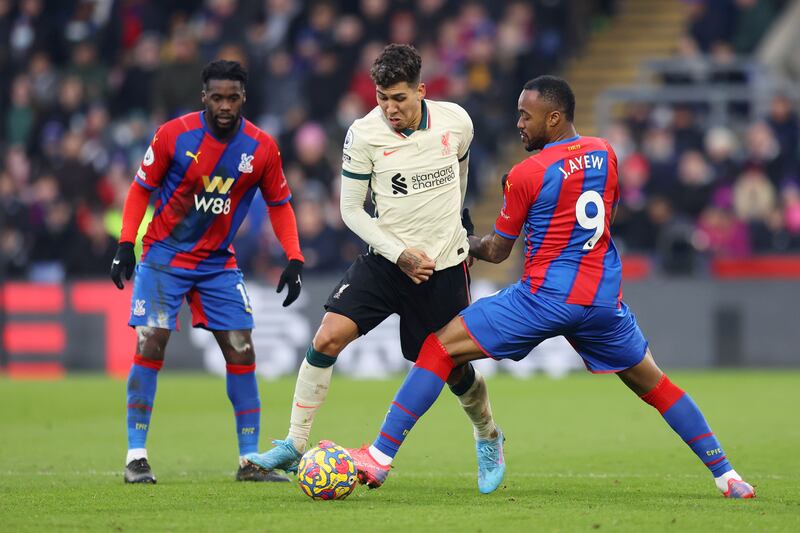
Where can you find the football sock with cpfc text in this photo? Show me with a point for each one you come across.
(141, 394)
(416, 395)
(686, 419)
(310, 391)
(243, 393)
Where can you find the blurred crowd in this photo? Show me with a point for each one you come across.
(86, 82)
(692, 190)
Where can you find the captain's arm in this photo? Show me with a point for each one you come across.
(493, 248)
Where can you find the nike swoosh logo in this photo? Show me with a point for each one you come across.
(390, 152)
(115, 262)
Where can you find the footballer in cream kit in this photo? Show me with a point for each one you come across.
(418, 178)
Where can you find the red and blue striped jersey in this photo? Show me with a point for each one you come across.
(561, 199)
(206, 187)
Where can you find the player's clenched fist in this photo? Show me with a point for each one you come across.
(123, 262)
(416, 265)
(291, 277)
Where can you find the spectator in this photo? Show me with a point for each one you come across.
(721, 234)
(77, 180)
(693, 189)
(44, 81)
(785, 127)
(93, 248)
(754, 202)
(310, 144)
(764, 152)
(324, 86)
(320, 242)
(281, 92)
(175, 91)
(721, 145)
(135, 82)
(20, 118)
(687, 135)
(86, 67)
(658, 147)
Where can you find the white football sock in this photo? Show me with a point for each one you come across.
(135, 453)
(310, 392)
(380, 457)
(722, 481)
(475, 403)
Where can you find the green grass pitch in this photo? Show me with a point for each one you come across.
(583, 454)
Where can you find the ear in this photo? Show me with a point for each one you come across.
(203, 96)
(421, 90)
(244, 96)
(554, 118)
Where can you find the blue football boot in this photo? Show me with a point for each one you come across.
(491, 462)
(283, 456)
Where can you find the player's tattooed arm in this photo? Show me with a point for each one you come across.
(416, 265)
(492, 248)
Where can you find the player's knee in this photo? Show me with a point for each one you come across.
(433, 356)
(151, 342)
(461, 379)
(237, 348)
(329, 342)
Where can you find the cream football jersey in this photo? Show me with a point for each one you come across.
(415, 178)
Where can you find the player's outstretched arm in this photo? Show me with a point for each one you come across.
(493, 248)
(132, 214)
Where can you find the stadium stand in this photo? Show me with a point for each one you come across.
(88, 82)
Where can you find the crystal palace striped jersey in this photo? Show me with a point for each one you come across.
(561, 200)
(206, 187)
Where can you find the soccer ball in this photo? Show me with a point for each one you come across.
(327, 472)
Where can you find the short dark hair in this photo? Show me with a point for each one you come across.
(555, 90)
(395, 64)
(223, 69)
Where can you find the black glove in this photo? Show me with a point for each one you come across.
(292, 276)
(466, 222)
(124, 261)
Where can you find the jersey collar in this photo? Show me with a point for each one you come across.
(424, 122)
(565, 141)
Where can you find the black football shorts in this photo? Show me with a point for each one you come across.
(373, 288)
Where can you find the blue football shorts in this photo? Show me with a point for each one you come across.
(510, 323)
(218, 299)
